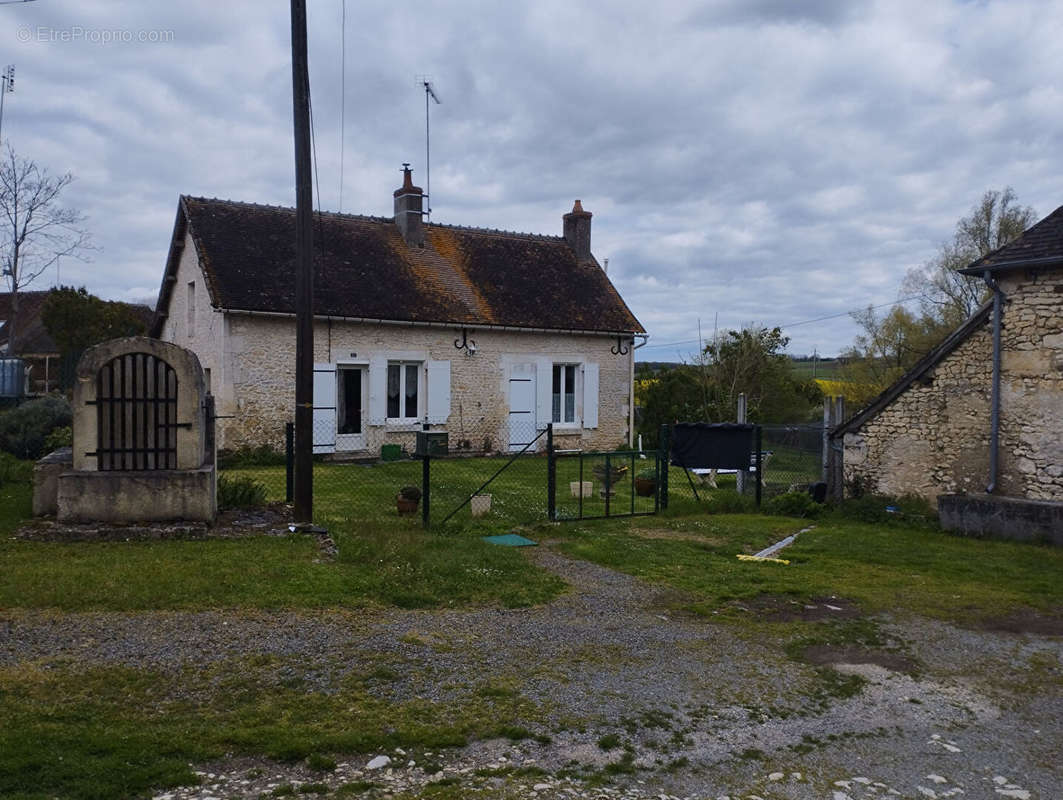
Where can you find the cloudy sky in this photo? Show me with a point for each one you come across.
(753, 161)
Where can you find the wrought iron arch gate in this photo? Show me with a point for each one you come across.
(136, 413)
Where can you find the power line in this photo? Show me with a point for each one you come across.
(806, 321)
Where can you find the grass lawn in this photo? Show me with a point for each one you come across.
(894, 568)
(81, 731)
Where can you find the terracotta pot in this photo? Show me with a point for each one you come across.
(645, 487)
(406, 506)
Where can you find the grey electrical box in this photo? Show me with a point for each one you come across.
(432, 443)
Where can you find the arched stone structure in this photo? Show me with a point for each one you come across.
(143, 438)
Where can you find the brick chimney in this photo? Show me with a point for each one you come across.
(578, 231)
(409, 203)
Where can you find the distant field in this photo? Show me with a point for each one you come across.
(823, 369)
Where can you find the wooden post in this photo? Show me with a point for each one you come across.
(827, 406)
(304, 274)
(839, 465)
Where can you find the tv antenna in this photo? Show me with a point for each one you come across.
(7, 85)
(429, 91)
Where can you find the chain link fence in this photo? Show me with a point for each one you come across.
(511, 485)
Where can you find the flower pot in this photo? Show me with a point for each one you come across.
(586, 488)
(480, 504)
(645, 487)
(406, 506)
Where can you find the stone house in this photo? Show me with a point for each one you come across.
(980, 414)
(487, 335)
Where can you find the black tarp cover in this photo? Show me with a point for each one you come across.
(703, 445)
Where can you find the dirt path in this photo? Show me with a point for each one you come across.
(705, 710)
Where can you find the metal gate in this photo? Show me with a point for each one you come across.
(623, 483)
(136, 414)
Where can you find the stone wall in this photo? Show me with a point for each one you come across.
(261, 363)
(934, 438)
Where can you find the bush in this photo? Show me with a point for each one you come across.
(14, 471)
(24, 429)
(242, 492)
(793, 504)
(261, 456)
(60, 437)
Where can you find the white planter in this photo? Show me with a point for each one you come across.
(480, 504)
(588, 488)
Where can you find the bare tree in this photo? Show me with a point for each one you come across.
(947, 295)
(35, 229)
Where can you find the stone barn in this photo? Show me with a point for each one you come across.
(974, 427)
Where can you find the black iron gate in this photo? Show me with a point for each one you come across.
(623, 483)
(136, 414)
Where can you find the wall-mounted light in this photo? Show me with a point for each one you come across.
(466, 344)
(622, 347)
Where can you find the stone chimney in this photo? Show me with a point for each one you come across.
(409, 203)
(578, 231)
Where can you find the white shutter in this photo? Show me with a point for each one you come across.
(438, 407)
(544, 383)
(590, 395)
(378, 390)
(324, 437)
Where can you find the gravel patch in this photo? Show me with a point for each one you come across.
(704, 710)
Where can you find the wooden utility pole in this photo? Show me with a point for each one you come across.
(303, 495)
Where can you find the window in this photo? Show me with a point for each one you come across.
(206, 378)
(191, 309)
(564, 394)
(403, 386)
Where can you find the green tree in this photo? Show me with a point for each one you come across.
(77, 320)
(947, 296)
(890, 344)
(752, 362)
(674, 395)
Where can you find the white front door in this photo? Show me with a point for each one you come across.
(521, 406)
(352, 389)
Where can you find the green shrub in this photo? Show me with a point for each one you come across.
(241, 492)
(261, 456)
(14, 471)
(793, 504)
(24, 429)
(60, 437)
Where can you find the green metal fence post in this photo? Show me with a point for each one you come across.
(664, 446)
(758, 441)
(551, 474)
(426, 476)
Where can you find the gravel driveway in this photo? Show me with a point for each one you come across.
(705, 710)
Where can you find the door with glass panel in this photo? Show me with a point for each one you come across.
(351, 390)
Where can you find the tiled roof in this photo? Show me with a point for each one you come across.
(32, 338)
(364, 269)
(1041, 244)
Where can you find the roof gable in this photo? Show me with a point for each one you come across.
(364, 269)
(1040, 245)
(921, 368)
